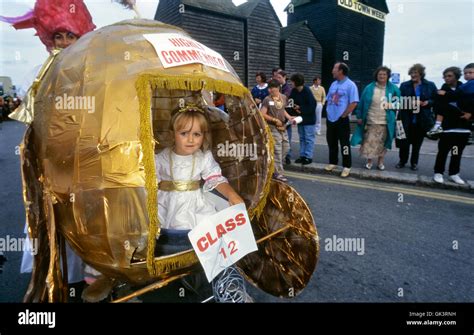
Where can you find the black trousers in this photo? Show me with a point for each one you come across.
(454, 142)
(415, 136)
(337, 133)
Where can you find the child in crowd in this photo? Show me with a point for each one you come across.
(274, 112)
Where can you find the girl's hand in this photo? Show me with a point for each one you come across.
(227, 191)
(235, 199)
(466, 116)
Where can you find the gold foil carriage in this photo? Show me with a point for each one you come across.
(89, 175)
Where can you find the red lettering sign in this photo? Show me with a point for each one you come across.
(202, 244)
(166, 57)
(208, 240)
(240, 219)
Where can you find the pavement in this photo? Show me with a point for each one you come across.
(420, 244)
(422, 177)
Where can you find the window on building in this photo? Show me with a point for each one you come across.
(310, 55)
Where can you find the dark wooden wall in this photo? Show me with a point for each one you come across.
(168, 12)
(340, 30)
(223, 34)
(363, 39)
(321, 18)
(294, 51)
(263, 41)
(377, 4)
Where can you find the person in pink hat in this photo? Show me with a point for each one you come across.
(58, 24)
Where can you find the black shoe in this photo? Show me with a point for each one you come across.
(306, 161)
(287, 160)
(400, 165)
(414, 167)
(299, 160)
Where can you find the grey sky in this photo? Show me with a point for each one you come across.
(436, 33)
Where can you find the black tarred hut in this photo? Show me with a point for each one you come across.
(248, 36)
(349, 31)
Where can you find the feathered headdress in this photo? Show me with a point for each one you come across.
(129, 4)
(51, 16)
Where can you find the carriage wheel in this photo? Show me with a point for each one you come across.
(288, 248)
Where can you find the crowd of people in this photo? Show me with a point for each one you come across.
(384, 113)
(7, 105)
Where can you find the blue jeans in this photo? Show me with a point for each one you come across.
(289, 130)
(307, 140)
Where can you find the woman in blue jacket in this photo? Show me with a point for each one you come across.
(376, 118)
(417, 117)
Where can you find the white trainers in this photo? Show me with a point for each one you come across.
(435, 130)
(455, 178)
(330, 167)
(345, 172)
(438, 177)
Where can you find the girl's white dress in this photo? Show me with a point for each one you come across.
(185, 210)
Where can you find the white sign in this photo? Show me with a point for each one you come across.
(177, 50)
(361, 8)
(222, 239)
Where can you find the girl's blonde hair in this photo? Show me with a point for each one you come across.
(184, 120)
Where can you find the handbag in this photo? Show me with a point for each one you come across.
(399, 130)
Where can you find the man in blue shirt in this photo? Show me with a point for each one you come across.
(342, 100)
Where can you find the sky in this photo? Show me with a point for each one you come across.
(436, 33)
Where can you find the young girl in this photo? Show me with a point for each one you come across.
(181, 202)
(180, 169)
